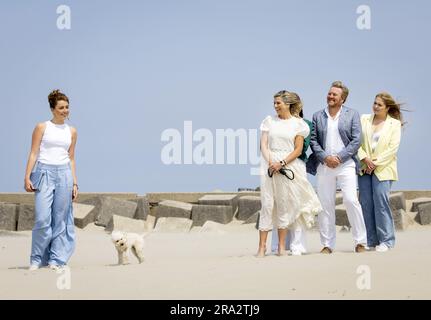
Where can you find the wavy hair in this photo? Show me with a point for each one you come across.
(291, 99)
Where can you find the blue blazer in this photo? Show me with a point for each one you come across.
(349, 126)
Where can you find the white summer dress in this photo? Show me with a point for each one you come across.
(286, 202)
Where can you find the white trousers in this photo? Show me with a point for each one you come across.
(327, 179)
(295, 239)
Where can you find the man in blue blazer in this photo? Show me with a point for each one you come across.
(335, 141)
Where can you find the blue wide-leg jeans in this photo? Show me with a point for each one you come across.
(53, 235)
(374, 199)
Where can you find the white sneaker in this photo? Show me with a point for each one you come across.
(54, 267)
(382, 248)
(33, 267)
(296, 253)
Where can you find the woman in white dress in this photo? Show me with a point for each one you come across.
(289, 202)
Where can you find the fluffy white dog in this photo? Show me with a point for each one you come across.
(125, 242)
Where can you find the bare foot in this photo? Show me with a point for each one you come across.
(261, 253)
(281, 252)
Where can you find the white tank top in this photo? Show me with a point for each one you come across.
(54, 147)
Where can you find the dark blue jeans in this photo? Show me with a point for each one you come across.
(374, 199)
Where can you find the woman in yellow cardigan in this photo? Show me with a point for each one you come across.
(381, 134)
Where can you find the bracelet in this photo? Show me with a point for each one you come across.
(283, 163)
(75, 184)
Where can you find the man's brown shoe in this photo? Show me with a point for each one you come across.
(360, 248)
(326, 250)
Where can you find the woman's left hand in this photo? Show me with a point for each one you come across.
(74, 192)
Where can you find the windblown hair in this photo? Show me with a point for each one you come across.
(394, 107)
(292, 100)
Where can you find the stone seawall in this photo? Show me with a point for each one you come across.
(179, 211)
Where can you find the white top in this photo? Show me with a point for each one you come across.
(282, 132)
(55, 144)
(375, 139)
(334, 143)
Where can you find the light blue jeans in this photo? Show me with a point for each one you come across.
(295, 239)
(374, 199)
(53, 236)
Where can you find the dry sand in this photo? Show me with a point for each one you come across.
(220, 264)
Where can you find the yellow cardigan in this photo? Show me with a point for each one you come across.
(385, 153)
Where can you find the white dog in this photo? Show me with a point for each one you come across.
(125, 242)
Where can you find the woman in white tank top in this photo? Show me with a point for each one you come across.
(51, 175)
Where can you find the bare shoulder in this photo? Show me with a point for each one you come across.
(73, 130)
(40, 127)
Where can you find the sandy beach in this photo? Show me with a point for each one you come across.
(220, 264)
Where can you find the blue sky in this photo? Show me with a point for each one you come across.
(133, 69)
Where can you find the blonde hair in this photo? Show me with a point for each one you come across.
(340, 85)
(292, 100)
(394, 107)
